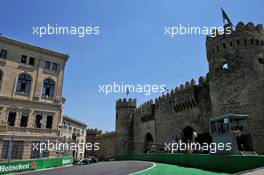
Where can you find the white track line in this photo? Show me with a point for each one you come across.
(153, 165)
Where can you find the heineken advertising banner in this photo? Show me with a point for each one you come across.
(15, 167)
(28, 165)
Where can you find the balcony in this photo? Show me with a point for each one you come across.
(26, 131)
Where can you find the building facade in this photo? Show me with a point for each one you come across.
(31, 102)
(73, 131)
(234, 85)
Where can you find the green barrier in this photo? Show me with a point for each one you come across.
(34, 164)
(217, 163)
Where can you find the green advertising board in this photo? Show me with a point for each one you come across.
(34, 164)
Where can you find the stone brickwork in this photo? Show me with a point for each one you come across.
(239, 86)
(164, 119)
(124, 125)
(107, 143)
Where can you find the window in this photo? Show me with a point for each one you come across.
(23, 84)
(222, 127)
(24, 120)
(5, 147)
(49, 121)
(35, 153)
(38, 121)
(48, 88)
(245, 41)
(3, 53)
(64, 139)
(11, 119)
(17, 149)
(31, 61)
(261, 61)
(47, 65)
(213, 127)
(54, 66)
(24, 59)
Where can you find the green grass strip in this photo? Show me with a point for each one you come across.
(165, 169)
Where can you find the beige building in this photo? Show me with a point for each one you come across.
(31, 102)
(73, 131)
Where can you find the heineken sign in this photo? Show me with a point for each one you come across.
(34, 164)
(17, 167)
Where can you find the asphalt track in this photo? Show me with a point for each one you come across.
(101, 168)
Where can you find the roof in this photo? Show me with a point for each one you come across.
(35, 48)
(74, 120)
(237, 116)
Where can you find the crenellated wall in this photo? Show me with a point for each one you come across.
(187, 105)
(234, 84)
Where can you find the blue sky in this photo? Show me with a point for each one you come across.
(131, 47)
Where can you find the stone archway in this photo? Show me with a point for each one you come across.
(148, 142)
(187, 134)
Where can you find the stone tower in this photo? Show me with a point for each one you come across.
(236, 68)
(124, 125)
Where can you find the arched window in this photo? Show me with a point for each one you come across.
(48, 88)
(23, 84)
(148, 143)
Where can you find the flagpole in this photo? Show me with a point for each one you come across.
(226, 18)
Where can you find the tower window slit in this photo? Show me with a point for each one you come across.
(245, 41)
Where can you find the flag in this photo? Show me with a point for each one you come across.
(225, 17)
